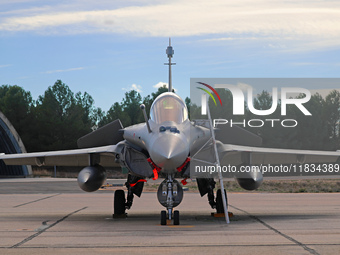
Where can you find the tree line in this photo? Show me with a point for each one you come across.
(59, 117)
(320, 131)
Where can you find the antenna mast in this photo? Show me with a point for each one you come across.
(170, 52)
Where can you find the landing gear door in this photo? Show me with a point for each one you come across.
(137, 163)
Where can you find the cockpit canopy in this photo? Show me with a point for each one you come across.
(168, 107)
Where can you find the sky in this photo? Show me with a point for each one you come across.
(108, 47)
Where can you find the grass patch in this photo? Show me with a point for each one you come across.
(301, 186)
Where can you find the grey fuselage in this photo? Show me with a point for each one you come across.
(170, 142)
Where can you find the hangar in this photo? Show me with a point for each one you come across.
(10, 142)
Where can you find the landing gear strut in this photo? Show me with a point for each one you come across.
(170, 194)
(207, 186)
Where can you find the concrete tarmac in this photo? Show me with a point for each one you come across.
(74, 222)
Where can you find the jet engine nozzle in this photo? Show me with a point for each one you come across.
(91, 178)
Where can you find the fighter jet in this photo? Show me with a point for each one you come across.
(164, 146)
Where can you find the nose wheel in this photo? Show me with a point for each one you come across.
(176, 217)
(170, 195)
(164, 217)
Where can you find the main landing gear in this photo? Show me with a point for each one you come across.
(120, 204)
(219, 201)
(207, 186)
(170, 195)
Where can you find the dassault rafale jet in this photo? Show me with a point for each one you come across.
(164, 146)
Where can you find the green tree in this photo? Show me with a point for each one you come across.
(311, 131)
(62, 117)
(86, 103)
(99, 117)
(226, 110)
(160, 90)
(16, 105)
(115, 112)
(131, 105)
(271, 132)
(332, 112)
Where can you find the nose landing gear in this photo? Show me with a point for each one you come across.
(170, 195)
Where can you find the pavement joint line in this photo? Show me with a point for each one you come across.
(162, 246)
(305, 247)
(43, 230)
(36, 200)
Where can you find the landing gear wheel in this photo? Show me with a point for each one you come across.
(163, 217)
(176, 217)
(119, 202)
(219, 201)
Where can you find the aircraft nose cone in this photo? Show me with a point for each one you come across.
(169, 151)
